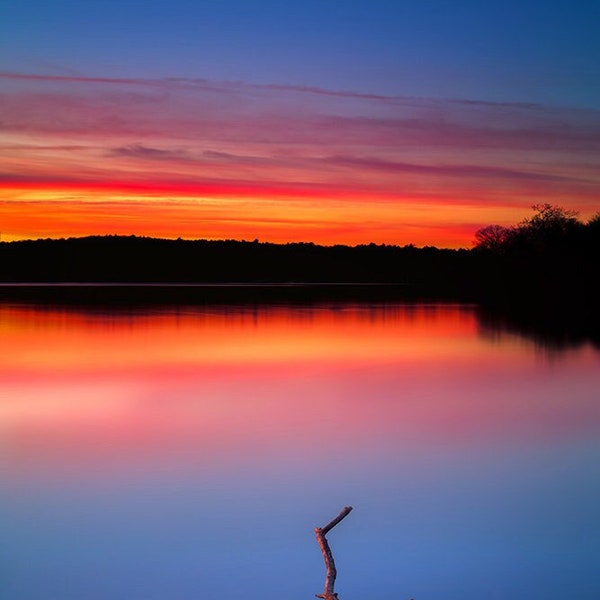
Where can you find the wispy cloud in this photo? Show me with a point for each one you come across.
(195, 137)
(442, 170)
(145, 152)
(71, 78)
(229, 86)
(179, 101)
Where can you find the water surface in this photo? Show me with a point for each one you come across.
(188, 452)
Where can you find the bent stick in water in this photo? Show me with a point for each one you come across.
(328, 593)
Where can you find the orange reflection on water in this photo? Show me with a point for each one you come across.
(228, 386)
(62, 340)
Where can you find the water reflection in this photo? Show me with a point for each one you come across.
(552, 328)
(188, 452)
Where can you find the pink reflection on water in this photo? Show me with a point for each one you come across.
(241, 388)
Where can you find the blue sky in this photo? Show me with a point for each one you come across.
(500, 51)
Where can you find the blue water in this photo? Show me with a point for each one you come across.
(189, 453)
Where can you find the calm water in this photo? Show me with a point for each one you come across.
(189, 453)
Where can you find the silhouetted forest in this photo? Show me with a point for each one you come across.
(538, 277)
(551, 256)
(548, 259)
(148, 260)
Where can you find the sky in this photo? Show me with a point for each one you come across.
(328, 121)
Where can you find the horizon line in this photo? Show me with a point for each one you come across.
(225, 240)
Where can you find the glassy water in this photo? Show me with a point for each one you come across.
(188, 453)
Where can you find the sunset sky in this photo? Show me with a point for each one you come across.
(327, 121)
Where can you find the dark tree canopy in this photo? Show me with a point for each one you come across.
(549, 229)
(550, 218)
(492, 237)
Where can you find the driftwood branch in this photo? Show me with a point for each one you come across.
(320, 532)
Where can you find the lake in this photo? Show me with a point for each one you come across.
(188, 452)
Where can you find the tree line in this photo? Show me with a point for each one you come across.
(549, 257)
(149, 260)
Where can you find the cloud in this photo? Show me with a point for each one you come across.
(187, 109)
(231, 86)
(213, 155)
(286, 140)
(72, 79)
(24, 147)
(465, 170)
(459, 130)
(145, 152)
